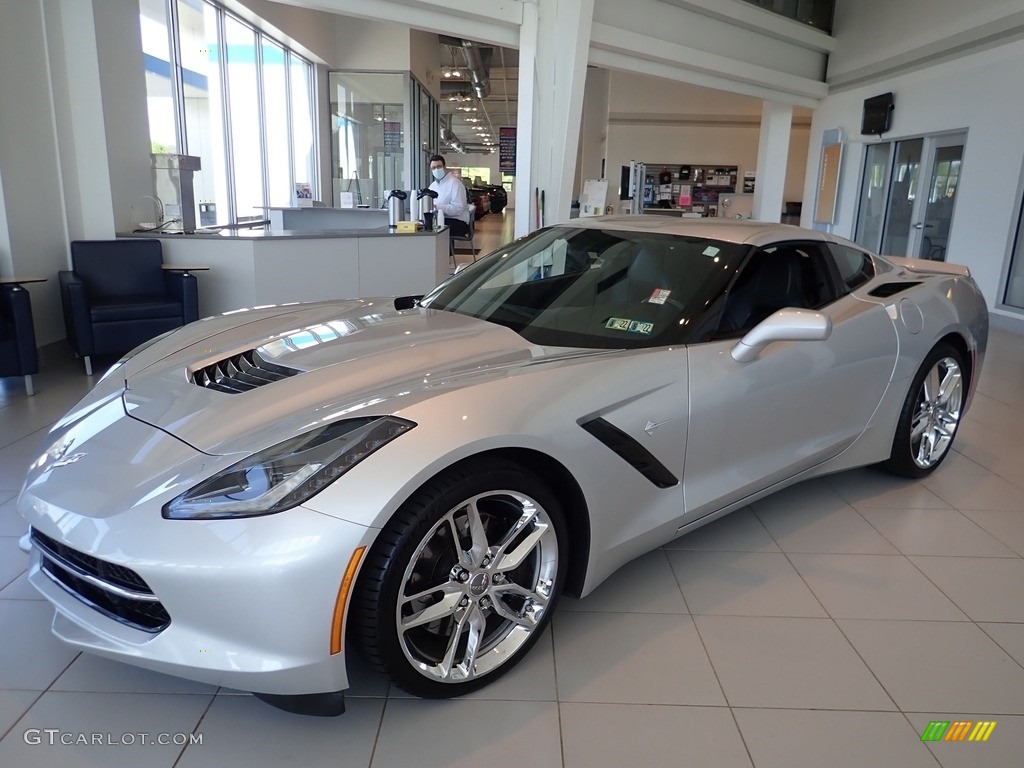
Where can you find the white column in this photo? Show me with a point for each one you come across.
(524, 185)
(33, 233)
(594, 131)
(772, 159)
(552, 75)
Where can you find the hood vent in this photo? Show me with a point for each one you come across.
(240, 373)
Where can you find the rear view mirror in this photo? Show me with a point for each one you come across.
(785, 325)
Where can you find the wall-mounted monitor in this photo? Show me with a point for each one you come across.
(877, 115)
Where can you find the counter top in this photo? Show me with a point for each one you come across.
(284, 234)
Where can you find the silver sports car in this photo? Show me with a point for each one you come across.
(253, 495)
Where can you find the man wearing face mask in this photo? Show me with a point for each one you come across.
(451, 197)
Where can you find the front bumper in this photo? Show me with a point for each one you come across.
(257, 616)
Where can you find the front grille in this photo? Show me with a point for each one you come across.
(111, 589)
(240, 373)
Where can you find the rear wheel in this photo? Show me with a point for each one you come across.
(931, 414)
(463, 579)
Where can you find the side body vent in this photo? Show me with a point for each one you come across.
(628, 449)
(240, 373)
(885, 290)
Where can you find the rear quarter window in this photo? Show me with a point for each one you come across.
(855, 266)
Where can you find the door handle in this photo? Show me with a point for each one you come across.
(922, 225)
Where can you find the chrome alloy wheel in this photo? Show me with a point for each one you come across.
(477, 586)
(937, 413)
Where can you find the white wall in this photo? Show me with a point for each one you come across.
(875, 36)
(964, 94)
(307, 31)
(370, 45)
(425, 60)
(594, 129)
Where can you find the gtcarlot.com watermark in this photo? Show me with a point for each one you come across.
(53, 736)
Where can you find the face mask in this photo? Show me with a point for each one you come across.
(438, 173)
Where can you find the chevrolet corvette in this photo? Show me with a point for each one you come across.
(266, 498)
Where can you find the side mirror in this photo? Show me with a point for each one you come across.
(785, 325)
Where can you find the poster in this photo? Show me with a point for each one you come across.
(749, 180)
(507, 150)
(593, 198)
(828, 183)
(392, 136)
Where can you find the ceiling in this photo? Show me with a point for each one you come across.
(474, 121)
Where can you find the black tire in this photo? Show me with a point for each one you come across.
(930, 416)
(502, 589)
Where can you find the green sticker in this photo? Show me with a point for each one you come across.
(631, 326)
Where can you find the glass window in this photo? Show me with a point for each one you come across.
(303, 135)
(595, 288)
(204, 107)
(244, 114)
(275, 117)
(817, 13)
(1014, 295)
(199, 84)
(156, 53)
(368, 142)
(855, 267)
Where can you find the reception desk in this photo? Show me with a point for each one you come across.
(252, 268)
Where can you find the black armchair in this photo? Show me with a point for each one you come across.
(18, 356)
(119, 296)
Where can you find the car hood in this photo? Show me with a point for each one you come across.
(356, 357)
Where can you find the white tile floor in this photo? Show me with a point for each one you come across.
(826, 625)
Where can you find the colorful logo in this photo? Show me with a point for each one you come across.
(958, 730)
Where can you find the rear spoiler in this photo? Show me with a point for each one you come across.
(926, 266)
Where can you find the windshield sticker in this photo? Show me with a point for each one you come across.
(711, 251)
(660, 296)
(632, 326)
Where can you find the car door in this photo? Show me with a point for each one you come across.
(797, 404)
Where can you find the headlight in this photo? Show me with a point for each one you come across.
(288, 473)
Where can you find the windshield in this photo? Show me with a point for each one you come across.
(594, 288)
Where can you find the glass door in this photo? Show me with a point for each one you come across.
(903, 193)
(907, 195)
(933, 226)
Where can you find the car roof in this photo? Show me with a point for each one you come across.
(744, 231)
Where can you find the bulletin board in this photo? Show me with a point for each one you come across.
(828, 183)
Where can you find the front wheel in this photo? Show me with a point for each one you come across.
(931, 414)
(463, 579)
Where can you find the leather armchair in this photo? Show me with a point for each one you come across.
(118, 296)
(18, 356)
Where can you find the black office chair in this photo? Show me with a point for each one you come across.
(464, 238)
(119, 296)
(18, 355)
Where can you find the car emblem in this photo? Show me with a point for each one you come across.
(653, 425)
(65, 460)
(478, 585)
